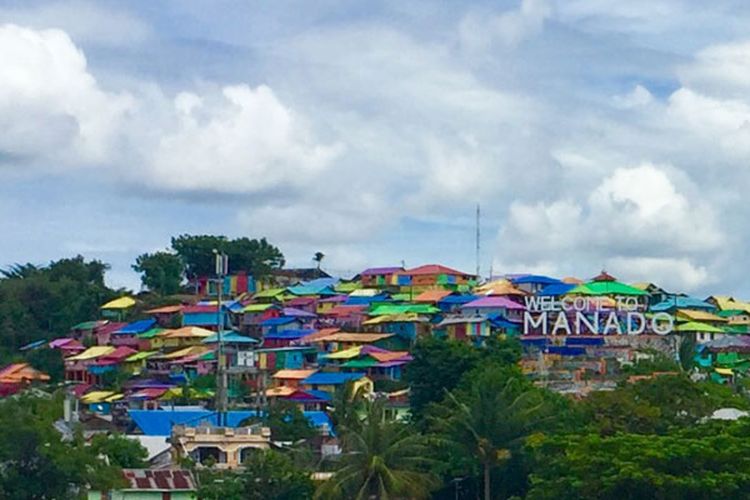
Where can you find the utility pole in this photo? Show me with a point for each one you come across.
(478, 235)
(222, 269)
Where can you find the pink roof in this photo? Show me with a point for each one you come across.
(117, 355)
(159, 480)
(374, 271)
(493, 301)
(300, 301)
(65, 343)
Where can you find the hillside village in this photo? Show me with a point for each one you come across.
(300, 338)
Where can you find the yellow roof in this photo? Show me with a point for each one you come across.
(498, 287)
(724, 371)
(187, 332)
(100, 397)
(188, 351)
(352, 352)
(293, 374)
(364, 338)
(699, 315)
(280, 391)
(92, 353)
(121, 303)
(393, 318)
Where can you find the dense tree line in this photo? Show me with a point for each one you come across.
(44, 302)
(190, 257)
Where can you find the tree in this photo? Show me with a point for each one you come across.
(655, 405)
(318, 259)
(288, 423)
(43, 303)
(49, 361)
(268, 474)
(440, 365)
(347, 404)
(489, 420)
(381, 459)
(703, 462)
(121, 451)
(161, 272)
(36, 462)
(257, 257)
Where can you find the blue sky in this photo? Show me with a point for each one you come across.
(593, 133)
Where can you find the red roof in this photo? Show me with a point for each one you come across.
(199, 309)
(108, 328)
(432, 269)
(604, 276)
(159, 480)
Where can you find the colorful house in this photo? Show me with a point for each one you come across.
(494, 305)
(329, 382)
(127, 335)
(429, 276)
(16, 376)
(379, 277)
(152, 484)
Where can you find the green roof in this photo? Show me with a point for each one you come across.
(347, 287)
(86, 325)
(252, 308)
(269, 293)
(694, 326)
(728, 313)
(606, 288)
(149, 334)
(360, 363)
(383, 309)
(140, 355)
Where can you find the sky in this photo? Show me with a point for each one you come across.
(594, 134)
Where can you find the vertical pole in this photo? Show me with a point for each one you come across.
(478, 235)
(221, 376)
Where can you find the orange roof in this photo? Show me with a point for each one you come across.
(21, 372)
(187, 332)
(165, 310)
(293, 374)
(570, 280)
(313, 337)
(499, 287)
(384, 357)
(365, 338)
(280, 391)
(432, 296)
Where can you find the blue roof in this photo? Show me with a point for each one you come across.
(282, 320)
(137, 327)
(457, 299)
(33, 345)
(682, 303)
(361, 301)
(289, 334)
(556, 289)
(160, 422)
(323, 378)
(536, 279)
(230, 338)
(315, 287)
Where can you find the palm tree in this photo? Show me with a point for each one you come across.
(490, 419)
(318, 258)
(382, 459)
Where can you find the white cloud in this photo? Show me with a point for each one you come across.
(634, 216)
(50, 105)
(480, 30)
(246, 142)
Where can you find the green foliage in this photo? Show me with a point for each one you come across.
(381, 459)
(486, 422)
(698, 464)
(161, 272)
(121, 451)
(659, 363)
(268, 475)
(656, 405)
(36, 462)
(257, 257)
(44, 302)
(47, 360)
(687, 351)
(288, 423)
(440, 365)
